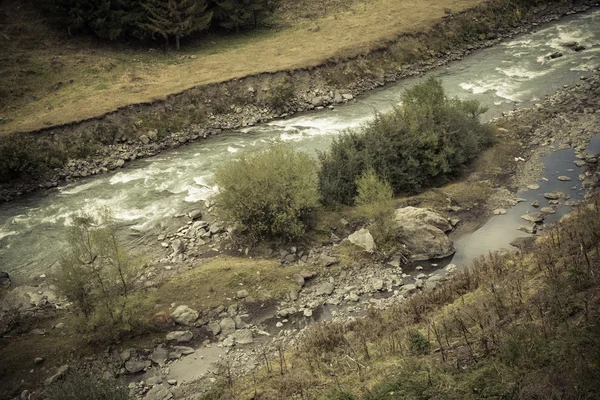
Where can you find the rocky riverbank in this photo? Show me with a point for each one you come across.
(127, 135)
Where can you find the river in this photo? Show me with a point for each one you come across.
(148, 192)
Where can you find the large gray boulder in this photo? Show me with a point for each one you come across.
(425, 215)
(422, 231)
(184, 315)
(180, 336)
(324, 289)
(243, 336)
(363, 239)
(227, 326)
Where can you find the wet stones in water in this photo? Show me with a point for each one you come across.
(534, 217)
(555, 55)
(564, 178)
(552, 196)
(579, 163)
(535, 204)
(500, 211)
(533, 186)
(530, 227)
(547, 210)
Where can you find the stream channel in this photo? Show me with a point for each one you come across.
(148, 192)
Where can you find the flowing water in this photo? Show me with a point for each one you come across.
(516, 73)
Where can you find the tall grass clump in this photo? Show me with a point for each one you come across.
(270, 195)
(419, 144)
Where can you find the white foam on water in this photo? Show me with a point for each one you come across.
(125, 177)
(196, 194)
(75, 188)
(521, 73)
(203, 180)
(4, 234)
(232, 149)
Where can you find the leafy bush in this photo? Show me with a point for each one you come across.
(414, 146)
(99, 277)
(77, 385)
(417, 343)
(374, 200)
(280, 92)
(268, 195)
(18, 156)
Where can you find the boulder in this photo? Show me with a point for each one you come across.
(184, 315)
(408, 289)
(227, 326)
(135, 366)
(159, 392)
(534, 217)
(285, 312)
(552, 196)
(324, 289)
(377, 284)
(180, 336)
(214, 328)
(499, 211)
(243, 336)
(547, 210)
(4, 279)
(242, 294)
(299, 279)
(326, 261)
(424, 240)
(178, 246)
(195, 214)
(363, 239)
(159, 355)
(426, 215)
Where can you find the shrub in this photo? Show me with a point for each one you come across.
(77, 385)
(19, 156)
(280, 92)
(268, 195)
(374, 199)
(420, 144)
(417, 343)
(99, 277)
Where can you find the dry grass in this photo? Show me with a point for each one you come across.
(106, 78)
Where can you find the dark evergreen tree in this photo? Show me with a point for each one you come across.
(236, 14)
(175, 18)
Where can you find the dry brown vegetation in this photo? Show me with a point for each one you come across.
(48, 79)
(514, 326)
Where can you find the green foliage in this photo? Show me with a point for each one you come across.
(176, 18)
(99, 277)
(280, 92)
(338, 394)
(268, 195)
(18, 157)
(237, 14)
(415, 146)
(77, 386)
(418, 343)
(374, 201)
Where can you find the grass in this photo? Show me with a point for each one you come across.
(35, 59)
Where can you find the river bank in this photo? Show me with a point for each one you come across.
(567, 119)
(133, 133)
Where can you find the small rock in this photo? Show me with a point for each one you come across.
(528, 228)
(533, 186)
(363, 239)
(535, 204)
(299, 279)
(325, 288)
(242, 294)
(180, 336)
(135, 366)
(308, 312)
(243, 336)
(184, 315)
(172, 382)
(564, 178)
(38, 360)
(534, 217)
(227, 326)
(500, 211)
(547, 210)
(552, 196)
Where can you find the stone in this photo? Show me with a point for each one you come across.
(159, 392)
(214, 328)
(184, 315)
(185, 350)
(125, 355)
(564, 178)
(159, 355)
(154, 380)
(227, 326)
(229, 341)
(530, 227)
(293, 295)
(285, 312)
(307, 312)
(324, 289)
(242, 294)
(552, 196)
(239, 323)
(172, 382)
(408, 289)
(533, 186)
(178, 246)
(243, 336)
(424, 240)
(38, 360)
(353, 296)
(377, 284)
(326, 261)
(60, 325)
(180, 336)
(58, 375)
(499, 211)
(363, 239)
(299, 279)
(195, 214)
(144, 139)
(547, 210)
(535, 204)
(347, 96)
(4, 279)
(317, 101)
(135, 366)
(425, 215)
(534, 217)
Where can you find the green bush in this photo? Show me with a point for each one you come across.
(420, 144)
(77, 386)
(268, 195)
(417, 343)
(374, 200)
(19, 156)
(99, 277)
(280, 92)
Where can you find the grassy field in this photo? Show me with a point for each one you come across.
(49, 79)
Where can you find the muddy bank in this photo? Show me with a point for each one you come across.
(141, 131)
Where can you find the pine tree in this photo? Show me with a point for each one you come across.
(236, 14)
(176, 18)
